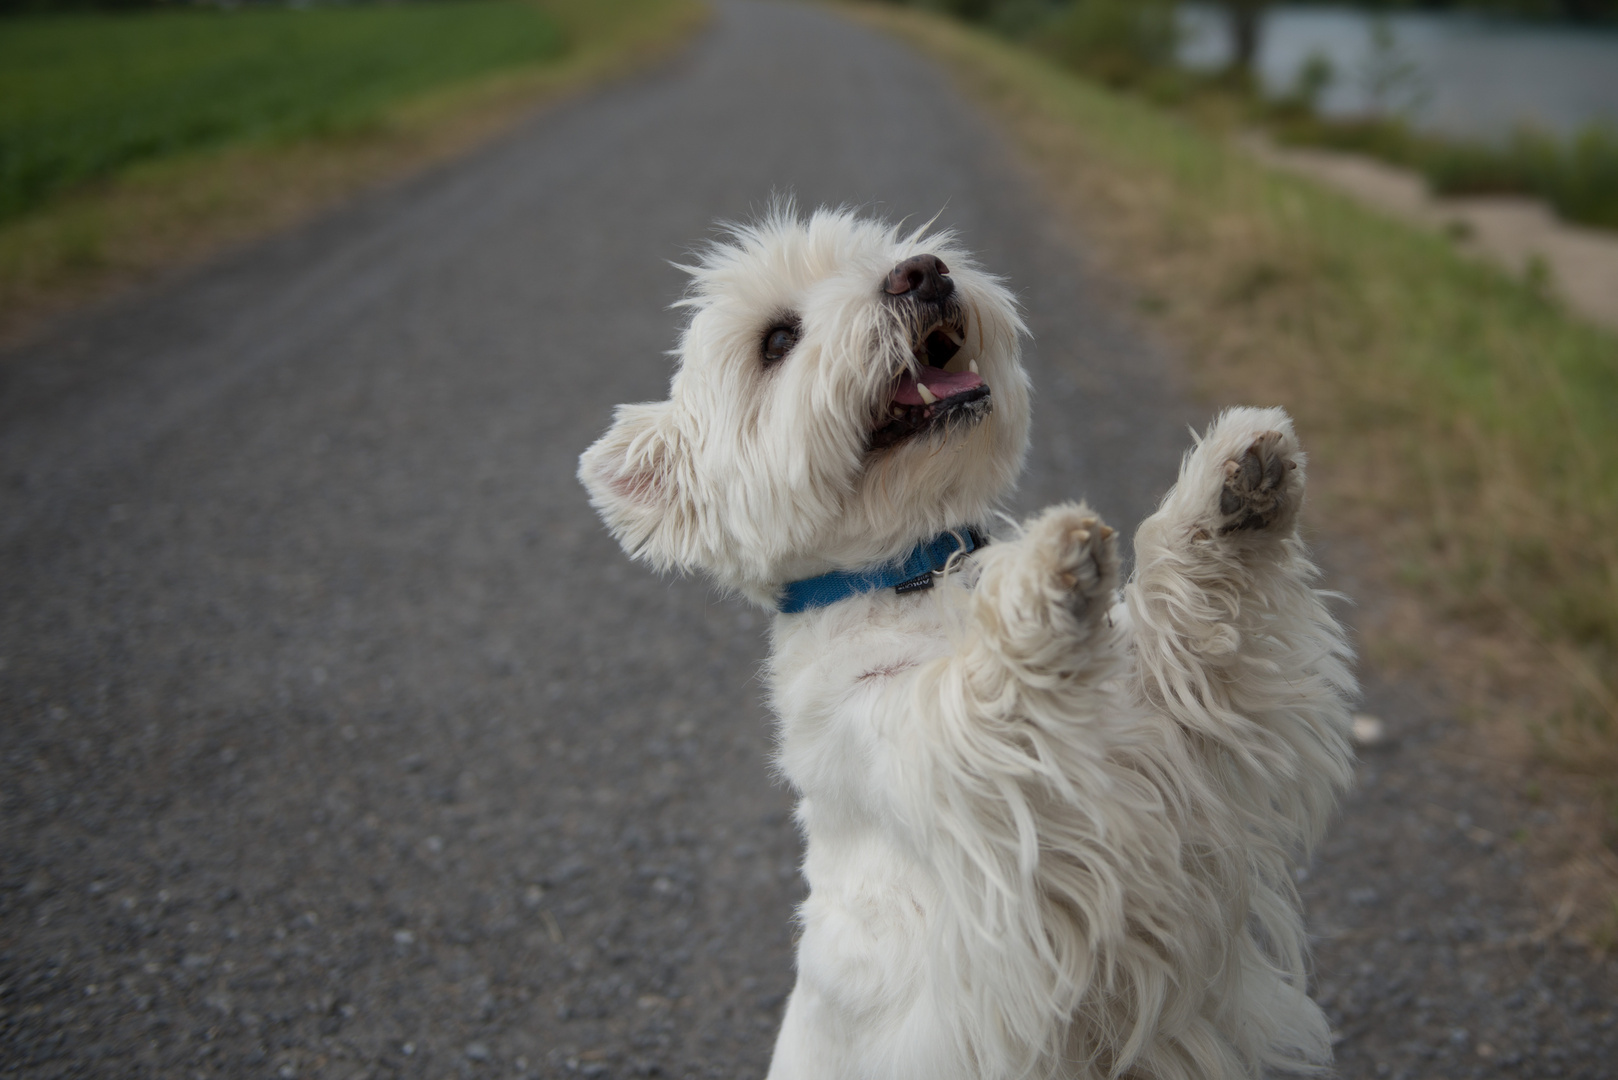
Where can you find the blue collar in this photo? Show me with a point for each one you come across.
(912, 574)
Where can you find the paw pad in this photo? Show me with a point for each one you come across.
(1256, 493)
(1084, 559)
(1081, 555)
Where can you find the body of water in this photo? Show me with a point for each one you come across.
(1453, 73)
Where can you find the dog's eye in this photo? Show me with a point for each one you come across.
(779, 341)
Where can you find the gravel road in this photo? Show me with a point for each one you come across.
(337, 740)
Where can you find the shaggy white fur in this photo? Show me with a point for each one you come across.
(1050, 826)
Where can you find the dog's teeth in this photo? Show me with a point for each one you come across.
(926, 395)
(954, 335)
(972, 366)
(898, 413)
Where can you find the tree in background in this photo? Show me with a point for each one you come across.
(1591, 10)
(970, 10)
(1246, 23)
(1246, 17)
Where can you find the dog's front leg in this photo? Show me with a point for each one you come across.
(1231, 639)
(1039, 638)
(1042, 599)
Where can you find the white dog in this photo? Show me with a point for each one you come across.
(1050, 828)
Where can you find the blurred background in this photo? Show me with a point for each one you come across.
(337, 739)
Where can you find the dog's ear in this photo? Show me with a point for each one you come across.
(638, 478)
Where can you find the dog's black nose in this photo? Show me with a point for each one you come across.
(923, 277)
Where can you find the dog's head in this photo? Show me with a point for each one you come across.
(843, 391)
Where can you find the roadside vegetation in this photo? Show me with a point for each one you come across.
(1131, 46)
(1461, 425)
(1577, 177)
(137, 139)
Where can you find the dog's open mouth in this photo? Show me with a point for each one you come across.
(944, 387)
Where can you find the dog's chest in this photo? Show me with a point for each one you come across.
(839, 680)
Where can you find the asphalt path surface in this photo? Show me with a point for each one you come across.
(338, 740)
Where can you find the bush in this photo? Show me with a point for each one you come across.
(1120, 43)
(1579, 178)
(971, 10)
(1389, 139)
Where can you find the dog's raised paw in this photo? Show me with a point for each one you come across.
(1080, 552)
(1259, 488)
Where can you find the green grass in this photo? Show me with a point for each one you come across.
(1461, 421)
(144, 181)
(87, 94)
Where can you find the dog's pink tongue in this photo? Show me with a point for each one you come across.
(941, 383)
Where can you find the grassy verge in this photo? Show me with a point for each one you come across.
(1461, 426)
(134, 143)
